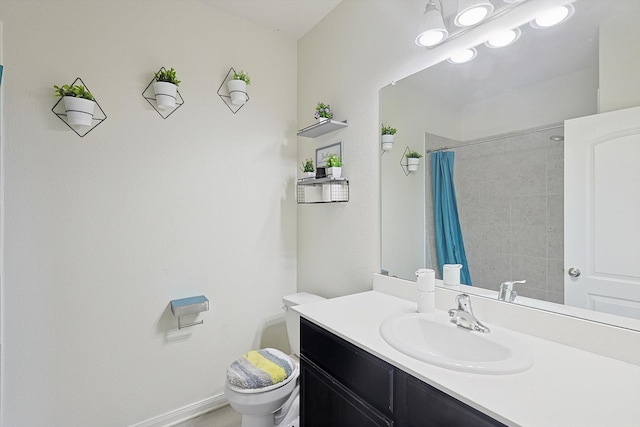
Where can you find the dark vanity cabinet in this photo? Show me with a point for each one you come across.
(344, 386)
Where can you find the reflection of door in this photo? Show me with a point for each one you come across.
(602, 212)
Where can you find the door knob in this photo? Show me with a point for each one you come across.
(573, 272)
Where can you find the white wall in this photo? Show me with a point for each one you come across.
(102, 232)
(619, 40)
(549, 102)
(403, 107)
(344, 61)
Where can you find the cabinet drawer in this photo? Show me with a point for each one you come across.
(325, 402)
(425, 406)
(364, 374)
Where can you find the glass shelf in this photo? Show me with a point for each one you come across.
(322, 128)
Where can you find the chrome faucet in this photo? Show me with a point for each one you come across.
(463, 315)
(506, 290)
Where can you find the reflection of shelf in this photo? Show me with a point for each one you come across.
(318, 129)
(323, 190)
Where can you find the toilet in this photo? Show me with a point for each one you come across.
(273, 405)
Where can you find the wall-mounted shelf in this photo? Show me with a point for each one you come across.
(322, 128)
(323, 190)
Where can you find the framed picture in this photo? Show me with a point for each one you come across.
(323, 152)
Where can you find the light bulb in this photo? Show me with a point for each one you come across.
(553, 16)
(472, 16)
(462, 56)
(503, 38)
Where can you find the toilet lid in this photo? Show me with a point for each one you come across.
(292, 377)
(261, 370)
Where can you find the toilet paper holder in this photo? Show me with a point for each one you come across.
(187, 306)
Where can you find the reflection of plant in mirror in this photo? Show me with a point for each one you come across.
(334, 161)
(307, 166)
(387, 130)
(413, 155)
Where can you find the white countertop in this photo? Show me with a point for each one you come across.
(565, 387)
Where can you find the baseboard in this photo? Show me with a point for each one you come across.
(186, 412)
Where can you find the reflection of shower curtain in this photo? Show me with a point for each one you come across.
(449, 244)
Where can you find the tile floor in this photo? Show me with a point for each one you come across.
(224, 417)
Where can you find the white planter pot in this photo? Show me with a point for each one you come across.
(387, 138)
(79, 110)
(387, 142)
(165, 95)
(334, 172)
(237, 91)
(308, 174)
(322, 119)
(412, 164)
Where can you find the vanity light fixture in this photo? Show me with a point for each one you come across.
(432, 30)
(553, 16)
(462, 56)
(471, 12)
(503, 38)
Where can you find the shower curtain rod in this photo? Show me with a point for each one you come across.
(500, 136)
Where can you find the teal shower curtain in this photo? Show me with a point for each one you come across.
(449, 243)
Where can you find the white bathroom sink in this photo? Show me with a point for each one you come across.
(432, 338)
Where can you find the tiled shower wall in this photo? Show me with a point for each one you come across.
(510, 201)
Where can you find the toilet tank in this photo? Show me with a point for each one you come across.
(293, 318)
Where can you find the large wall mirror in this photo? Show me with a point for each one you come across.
(503, 116)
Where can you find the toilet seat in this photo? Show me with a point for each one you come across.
(294, 375)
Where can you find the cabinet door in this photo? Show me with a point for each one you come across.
(364, 374)
(325, 402)
(420, 405)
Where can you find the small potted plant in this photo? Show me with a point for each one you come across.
(413, 160)
(387, 137)
(166, 87)
(238, 87)
(334, 166)
(78, 103)
(323, 112)
(308, 170)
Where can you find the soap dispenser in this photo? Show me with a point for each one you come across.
(427, 290)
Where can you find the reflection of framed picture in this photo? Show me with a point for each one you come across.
(323, 152)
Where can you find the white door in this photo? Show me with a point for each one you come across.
(602, 212)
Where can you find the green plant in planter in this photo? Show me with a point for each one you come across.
(77, 91)
(241, 75)
(307, 166)
(168, 76)
(323, 110)
(413, 155)
(388, 130)
(334, 161)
